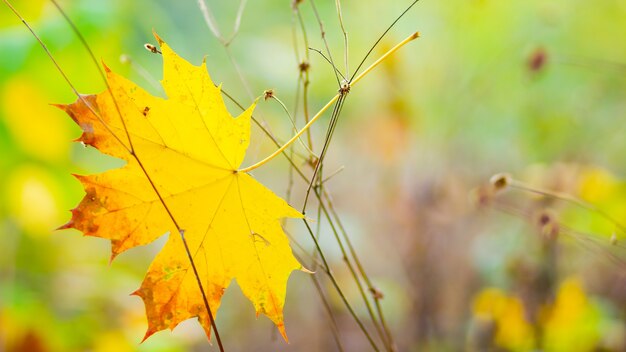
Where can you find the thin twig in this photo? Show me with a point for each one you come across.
(381, 38)
(345, 35)
(293, 124)
(327, 60)
(323, 33)
(339, 291)
(330, 103)
(570, 199)
(214, 28)
(359, 265)
(305, 67)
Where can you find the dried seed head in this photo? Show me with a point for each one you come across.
(500, 181)
(151, 48)
(295, 3)
(268, 94)
(313, 161)
(548, 225)
(614, 239)
(304, 66)
(376, 294)
(345, 87)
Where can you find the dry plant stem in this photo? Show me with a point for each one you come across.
(316, 264)
(329, 311)
(262, 126)
(290, 182)
(143, 73)
(338, 289)
(585, 240)
(293, 124)
(325, 265)
(330, 103)
(294, 34)
(570, 199)
(323, 34)
(317, 172)
(214, 28)
(242, 6)
(322, 294)
(243, 80)
(333, 174)
(208, 18)
(381, 38)
(345, 34)
(306, 82)
(377, 325)
(129, 148)
(357, 261)
(337, 72)
(304, 79)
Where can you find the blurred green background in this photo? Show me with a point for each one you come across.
(535, 88)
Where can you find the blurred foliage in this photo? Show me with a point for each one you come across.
(535, 88)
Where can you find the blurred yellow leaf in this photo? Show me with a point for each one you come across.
(596, 185)
(573, 322)
(32, 199)
(513, 331)
(113, 341)
(32, 123)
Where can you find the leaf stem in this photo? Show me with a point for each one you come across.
(330, 103)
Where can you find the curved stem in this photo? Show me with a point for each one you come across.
(330, 103)
(293, 124)
(345, 35)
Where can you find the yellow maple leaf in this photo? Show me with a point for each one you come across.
(188, 148)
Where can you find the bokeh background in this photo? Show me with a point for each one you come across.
(534, 88)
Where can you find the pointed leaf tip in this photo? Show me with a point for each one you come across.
(283, 333)
(67, 225)
(156, 36)
(113, 256)
(60, 106)
(149, 333)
